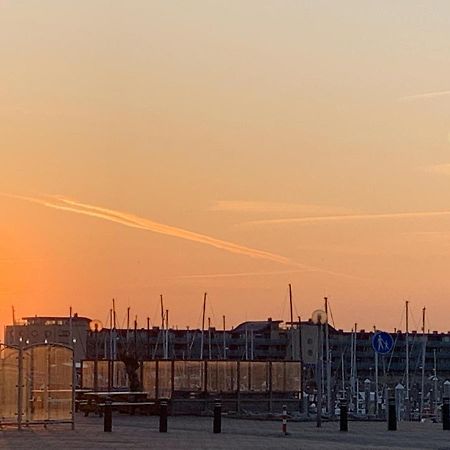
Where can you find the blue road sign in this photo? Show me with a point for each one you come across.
(382, 342)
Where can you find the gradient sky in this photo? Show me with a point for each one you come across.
(178, 147)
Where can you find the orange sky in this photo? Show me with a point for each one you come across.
(182, 147)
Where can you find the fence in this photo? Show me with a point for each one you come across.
(36, 385)
(239, 381)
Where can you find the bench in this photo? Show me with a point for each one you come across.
(146, 408)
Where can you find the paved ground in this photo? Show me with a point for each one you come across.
(196, 433)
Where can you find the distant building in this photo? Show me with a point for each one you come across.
(37, 330)
(251, 340)
(259, 340)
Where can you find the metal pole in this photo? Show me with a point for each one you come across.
(319, 377)
(407, 361)
(435, 380)
(209, 339)
(376, 384)
(20, 386)
(163, 335)
(292, 323)
(148, 338)
(224, 340)
(328, 359)
(166, 351)
(424, 349)
(203, 326)
(74, 382)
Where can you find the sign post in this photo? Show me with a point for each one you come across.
(382, 343)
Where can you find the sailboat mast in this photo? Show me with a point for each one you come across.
(166, 351)
(424, 348)
(162, 333)
(203, 326)
(209, 338)
(327, 359)
(148, 338)
(224, 340)
(292, 323)
(290, 305)
(407, 358)
(128, 329)
(110, 333)
(114, 313)
(376, 377)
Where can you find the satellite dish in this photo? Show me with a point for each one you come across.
(319, 317)
(95, 325)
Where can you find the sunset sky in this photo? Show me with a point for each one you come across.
(232, 147)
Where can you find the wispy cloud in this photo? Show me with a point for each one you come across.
(272, 207)
(238, 274)
(425, 95)
(130, 220)
(350, 217)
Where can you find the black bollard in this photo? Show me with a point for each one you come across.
(107, 418)
(163, 416)
(392, 415)
(217, 426)
(343, 419)
(446, 413)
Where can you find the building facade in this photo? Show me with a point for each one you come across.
(52, 330)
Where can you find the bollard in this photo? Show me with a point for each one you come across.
(343, 419)
(446, 413)
(163, 416)
(217, 425)
(107, 418)
(392, 415)
(284, 426)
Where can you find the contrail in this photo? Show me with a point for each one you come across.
(426, 95)
(349, 217)
(133, 221)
